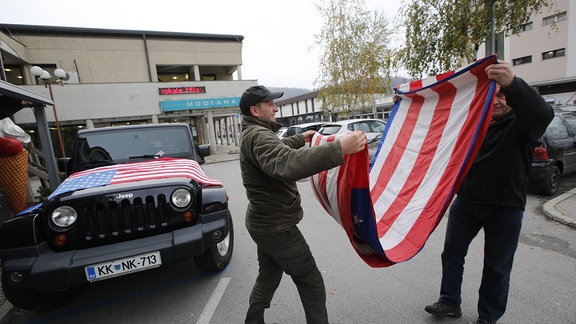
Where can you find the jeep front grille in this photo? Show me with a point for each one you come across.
(102, 220)
(116, 219)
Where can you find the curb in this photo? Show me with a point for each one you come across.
(550, 209)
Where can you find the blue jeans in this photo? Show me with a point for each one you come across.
(287, 252)
(501, 233)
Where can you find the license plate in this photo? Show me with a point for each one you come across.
(124, 266)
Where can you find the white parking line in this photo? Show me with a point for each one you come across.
(210, 307)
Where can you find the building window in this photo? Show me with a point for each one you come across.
(554, 18)
(554, 53)
(173, 73)
(173, 77)
(14, 74)
(526, 27)
(522, 60)
(208, 77)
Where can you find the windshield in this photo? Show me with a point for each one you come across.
(329, 129)
(118, 146)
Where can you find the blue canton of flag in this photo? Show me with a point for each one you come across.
(90, 180)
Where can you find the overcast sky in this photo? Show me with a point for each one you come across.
(277, 34)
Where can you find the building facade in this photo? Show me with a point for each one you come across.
(118, 77)
(543, 52)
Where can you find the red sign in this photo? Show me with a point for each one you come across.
(181, 90)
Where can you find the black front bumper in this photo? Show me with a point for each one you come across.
(43, 269)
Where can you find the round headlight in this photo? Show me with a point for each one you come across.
(64, 216)
(181, 198)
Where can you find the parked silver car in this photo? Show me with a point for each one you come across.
(370, 127)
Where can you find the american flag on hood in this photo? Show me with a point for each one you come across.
(390, 208)
(138, 171)
(161, 168)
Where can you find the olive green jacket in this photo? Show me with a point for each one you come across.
(270, 168)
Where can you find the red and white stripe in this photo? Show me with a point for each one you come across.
(429, 144)
(154, 169)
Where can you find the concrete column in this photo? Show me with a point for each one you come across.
(239, 72)
(89, 123)
(196, 73)
(217, 131)
(226, 123)
(211, 131)
(154, 119)
(205, 131)
(237, 120)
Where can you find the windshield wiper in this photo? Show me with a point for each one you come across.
(148, 156)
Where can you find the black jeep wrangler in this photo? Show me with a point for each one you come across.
(135, 198)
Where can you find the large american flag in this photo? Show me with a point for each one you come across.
(138, 171)
(390, 208)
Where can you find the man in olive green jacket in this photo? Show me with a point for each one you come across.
(270, 168)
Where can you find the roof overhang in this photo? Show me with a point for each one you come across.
(14, 91)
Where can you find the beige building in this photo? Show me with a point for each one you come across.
(544, 52)
(118, 77)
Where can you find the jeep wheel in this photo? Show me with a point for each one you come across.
(218, 256)
(31, 299)
(549, 186)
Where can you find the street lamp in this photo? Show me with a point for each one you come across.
(45, 76)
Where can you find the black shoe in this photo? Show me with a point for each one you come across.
(483, 321)
(439, 309)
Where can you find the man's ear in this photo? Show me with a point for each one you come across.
(254, 111)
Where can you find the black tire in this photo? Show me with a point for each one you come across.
(34, 300)
(219, 255)
(549, 186)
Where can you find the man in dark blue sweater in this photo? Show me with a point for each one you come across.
(493, 197)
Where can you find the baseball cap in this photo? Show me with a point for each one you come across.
(254, 95)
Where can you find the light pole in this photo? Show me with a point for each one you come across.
(45, 76)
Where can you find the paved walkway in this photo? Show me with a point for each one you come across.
(223, 153)
(562, 208)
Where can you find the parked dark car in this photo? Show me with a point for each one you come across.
(555, 154)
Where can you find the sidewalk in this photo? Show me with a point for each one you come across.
(562, 208)
(223, 153)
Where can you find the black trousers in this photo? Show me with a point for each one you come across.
(502, 227)
(287, 252)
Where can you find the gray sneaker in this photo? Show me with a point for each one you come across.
(439, 309)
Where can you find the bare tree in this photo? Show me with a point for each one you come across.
(355, 59)
(445, 34)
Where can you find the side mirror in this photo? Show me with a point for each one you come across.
(204, 150)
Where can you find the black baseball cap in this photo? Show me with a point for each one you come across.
(254, 95)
